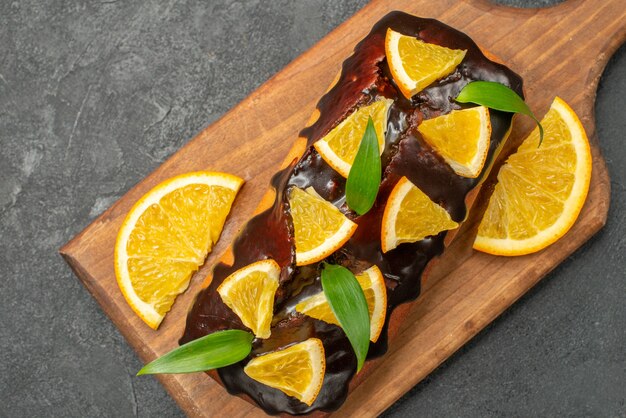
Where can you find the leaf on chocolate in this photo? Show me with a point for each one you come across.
(499, 97)
(222, 348)
(347, 301)
(364, 178)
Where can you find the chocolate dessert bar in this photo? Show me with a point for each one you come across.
(364, 78)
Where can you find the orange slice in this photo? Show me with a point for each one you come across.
(411, 216)
(373, 285)
(461, 137)
(339, 147)
(541, 188)
(320, 228)
(415, 64)
(166, 237)
(249, 292)
(297, 370)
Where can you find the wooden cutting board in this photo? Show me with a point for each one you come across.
(558, 51)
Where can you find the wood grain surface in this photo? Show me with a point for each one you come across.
(558, 51)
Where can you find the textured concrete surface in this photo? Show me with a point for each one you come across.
(95, 95)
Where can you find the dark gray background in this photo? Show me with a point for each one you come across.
(95, 95)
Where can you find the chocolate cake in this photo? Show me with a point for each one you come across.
(364, 78)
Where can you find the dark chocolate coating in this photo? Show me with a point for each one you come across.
(364, 78)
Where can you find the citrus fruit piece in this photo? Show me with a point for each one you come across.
(541, 188)
(249, 292)
(461, 137)
(411, 216)
(320, 228)
(297, 370)
(339, 147)
(415, 64)
(166, 237)
(373, 285)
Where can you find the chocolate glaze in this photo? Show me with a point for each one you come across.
(365, 77)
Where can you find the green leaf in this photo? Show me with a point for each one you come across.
(219, 349)
(364, 178)
(499, 97)
(347, 301)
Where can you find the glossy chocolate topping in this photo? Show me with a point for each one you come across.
(365, 77)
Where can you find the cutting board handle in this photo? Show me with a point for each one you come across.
(583, 35)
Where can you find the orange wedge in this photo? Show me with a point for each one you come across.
(167, 235)
(415, 64)
(461, 137)
(249, 292)
(373, 285)
(320, 228)
(411, 216)
(541, 188)
(297, 370)
(339, 147)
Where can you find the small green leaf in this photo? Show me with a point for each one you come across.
(347, 301)
(364, 178)
(499, 97)
(219, 349)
